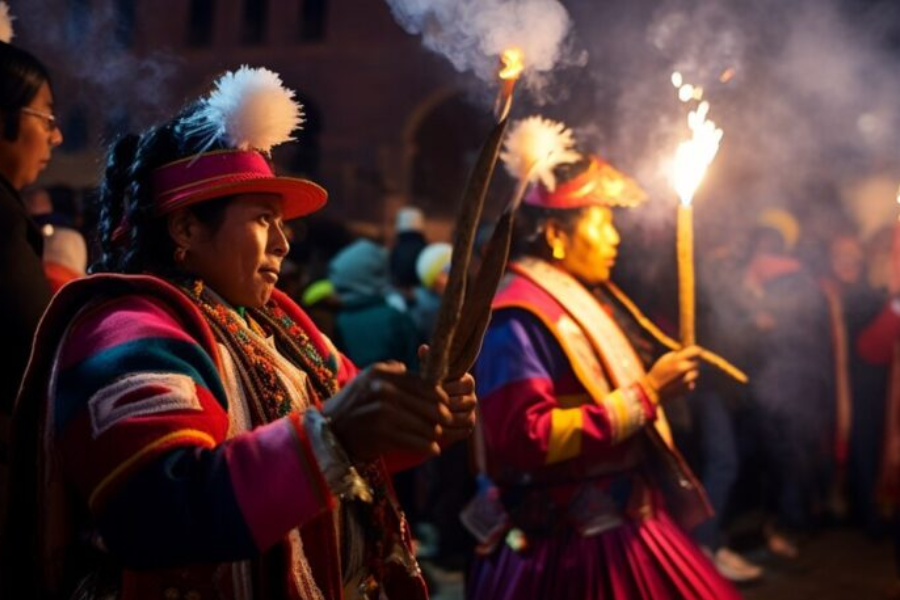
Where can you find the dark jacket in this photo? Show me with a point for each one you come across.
(24, 291)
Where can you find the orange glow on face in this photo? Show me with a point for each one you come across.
(513, 64)
(591, 249)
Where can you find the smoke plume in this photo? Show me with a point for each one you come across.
(472, 34)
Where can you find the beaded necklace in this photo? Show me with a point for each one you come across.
(245, 339)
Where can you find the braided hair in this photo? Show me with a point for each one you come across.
(132, 238)
(21, 76)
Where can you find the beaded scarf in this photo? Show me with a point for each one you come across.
(268, 398)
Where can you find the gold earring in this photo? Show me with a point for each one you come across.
(180, 254)
(559, 252)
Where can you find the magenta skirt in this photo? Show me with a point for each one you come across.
(650, 559)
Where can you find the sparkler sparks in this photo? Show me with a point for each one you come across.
(692, 159)
(693, 156)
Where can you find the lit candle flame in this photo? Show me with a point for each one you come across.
(694, 156)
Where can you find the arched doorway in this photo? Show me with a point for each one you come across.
(445, 144)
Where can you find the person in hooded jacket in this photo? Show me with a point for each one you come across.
(368, 328)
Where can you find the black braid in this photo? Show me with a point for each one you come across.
(111, 199)
(149, 246)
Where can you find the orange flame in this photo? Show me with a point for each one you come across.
(513, 64)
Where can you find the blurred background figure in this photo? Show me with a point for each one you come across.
(713, 440)
(367, 328)
(65, 255)
(57, 214)
(409, 240)
(28, 135)
(879, 344)
(860, 386)
(432, 270)
(321, 303)
(38, 202)
(315, 242)
(790, 369)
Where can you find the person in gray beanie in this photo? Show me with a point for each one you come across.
(368, 328)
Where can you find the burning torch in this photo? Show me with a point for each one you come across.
(692, 158)
(450, 352)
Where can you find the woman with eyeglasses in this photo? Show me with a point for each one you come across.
(28, 134)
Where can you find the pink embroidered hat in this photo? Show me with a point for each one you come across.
(227, 173)
(599, 184)
(248, 113)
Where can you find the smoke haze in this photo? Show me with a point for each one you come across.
(95, 63)
(472, 34)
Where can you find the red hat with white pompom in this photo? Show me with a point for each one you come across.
(536, 146)
(252, 112)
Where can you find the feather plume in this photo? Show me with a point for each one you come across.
(249, 108)
(6, 26)
(535, 146)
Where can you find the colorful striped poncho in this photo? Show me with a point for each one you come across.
(144, 427)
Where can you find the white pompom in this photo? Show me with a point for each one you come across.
(535, 146)
(249, 108)
(6, 27)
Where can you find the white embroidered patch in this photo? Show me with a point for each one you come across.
(171, 391)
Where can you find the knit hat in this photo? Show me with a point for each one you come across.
(409, 219)
(783, 222)
(66, 247)
(317, 291)
(433, 260)
(359, 271)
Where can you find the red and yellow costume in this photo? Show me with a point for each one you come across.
(578, 452)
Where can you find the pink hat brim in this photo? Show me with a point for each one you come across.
(301, 196)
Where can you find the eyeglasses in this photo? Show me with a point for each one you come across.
(49, 120)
